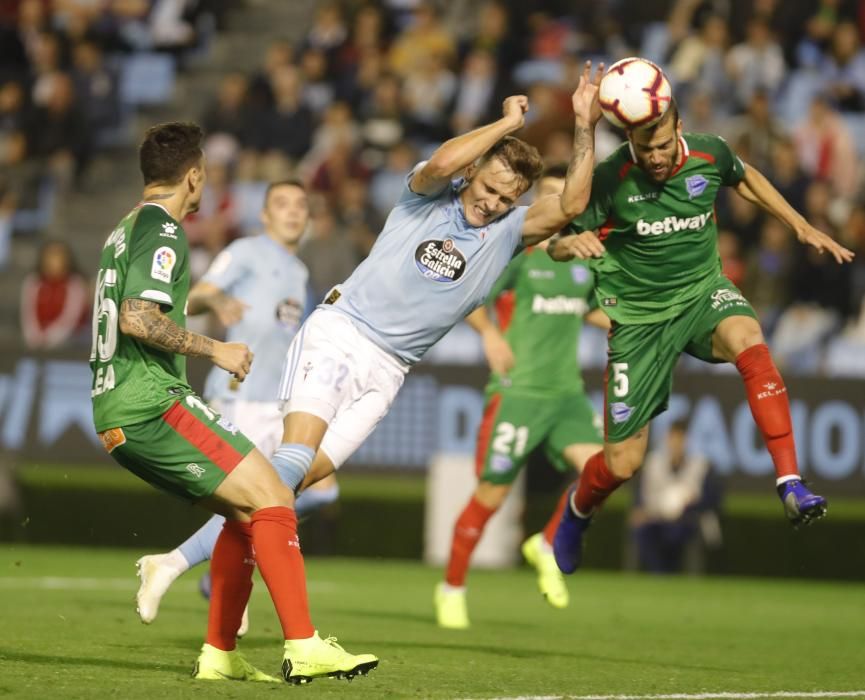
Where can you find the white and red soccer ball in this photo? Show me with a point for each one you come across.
(634, 92)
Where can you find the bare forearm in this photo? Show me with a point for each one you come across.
(461, 151)
(480, 320)
(578, 181)
(765, 195)
(144, 320)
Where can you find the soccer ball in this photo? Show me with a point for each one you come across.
(634, 93)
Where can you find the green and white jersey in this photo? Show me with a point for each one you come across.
(661, 238)
(145, 257)
(540, 306)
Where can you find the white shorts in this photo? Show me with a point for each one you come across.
(334, 372)
(260, 421)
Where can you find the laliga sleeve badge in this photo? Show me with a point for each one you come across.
(164, 260)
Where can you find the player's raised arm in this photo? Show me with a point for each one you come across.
(549, 214)
(757, 189)
(144, 320)
(461, 151)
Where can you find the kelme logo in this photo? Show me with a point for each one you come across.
(440, 261)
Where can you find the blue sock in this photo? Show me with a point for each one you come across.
(313, 499)
(292, 462)
(199, 546)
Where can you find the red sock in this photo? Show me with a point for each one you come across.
(231, 567)
(553, 522)
(596, 483)
(277, 551)
(467, 531)
(767, 397)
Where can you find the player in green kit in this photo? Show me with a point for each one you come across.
(651, 235)
(535, 397)
(151, 422)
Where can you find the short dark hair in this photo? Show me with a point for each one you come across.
(671, 113)
(522, 158)
(288, 182)
(168, 151)
(556, 170)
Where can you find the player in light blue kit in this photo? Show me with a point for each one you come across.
(257, 288)
(443, 246)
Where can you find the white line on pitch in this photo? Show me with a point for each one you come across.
(698, 696)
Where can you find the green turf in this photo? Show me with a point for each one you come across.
(78, 637)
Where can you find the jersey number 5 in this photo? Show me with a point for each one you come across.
(620, 379)
(104, 308)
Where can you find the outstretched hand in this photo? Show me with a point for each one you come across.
(585, 97)
(823, 244)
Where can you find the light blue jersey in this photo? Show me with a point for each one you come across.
(273, 284)
(428, 269)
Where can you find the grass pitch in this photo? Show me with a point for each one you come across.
(70, 631)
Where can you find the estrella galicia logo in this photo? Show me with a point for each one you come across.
(696, 185)
(440, 261)
(620, 411)
(289, 312)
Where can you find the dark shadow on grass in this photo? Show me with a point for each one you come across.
(49, 660)
(518, 653)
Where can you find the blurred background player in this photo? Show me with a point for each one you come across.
(658, 277)
(535, 397)
(258, 289)
(153, 424)
(675, 504)
(442, 248)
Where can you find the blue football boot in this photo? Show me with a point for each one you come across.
(568, 540)
(800, 505)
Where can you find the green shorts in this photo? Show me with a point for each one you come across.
(187, 451)
(641, 358)
(513, 426)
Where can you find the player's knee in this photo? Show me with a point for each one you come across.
(623, 463)
(491, 495)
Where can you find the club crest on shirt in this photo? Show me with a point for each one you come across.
(289, 312)
(696, 185)
(580, 274)
(440, 261)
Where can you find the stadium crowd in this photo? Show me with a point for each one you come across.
(373, 87)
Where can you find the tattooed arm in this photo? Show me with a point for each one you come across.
(549, 214)
(145, 321)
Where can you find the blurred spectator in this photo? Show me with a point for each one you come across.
(95, 88)
(700, 115)
(475, 91)
(673, 505)
(279, 54)
(326, 252)
(826, 149)
(699, 61)
(424, 39)
(843, 69)
(368, 34)
(45, 63)
(389, 181)
(282, 136)
(340, 164)
(215, 224)
(229, 114)
(337, 127)
(428, 92)
(54, 299)
(318, 91)
(550, 39)
(491, 35)
(786, 175)
(757, 129)
(382, 123)
(769, 270)
(550, 111)
(327, 34)
(757, 64)
(57, 133)
(361, 221)
(18, 42)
